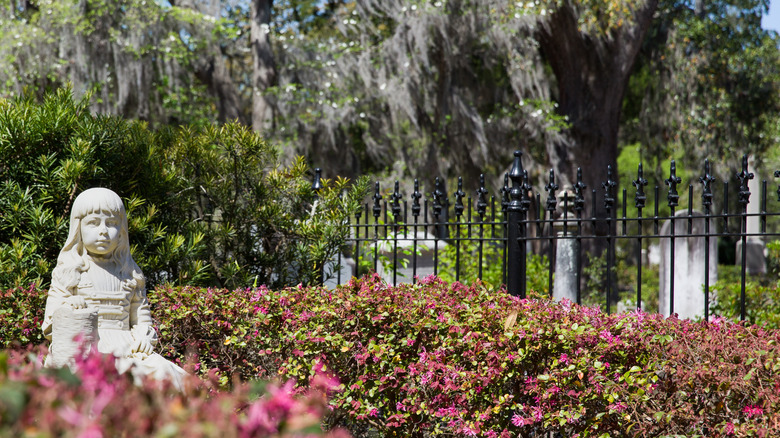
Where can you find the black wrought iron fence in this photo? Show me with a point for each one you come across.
(425, 233)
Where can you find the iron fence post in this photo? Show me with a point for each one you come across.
(515, 247)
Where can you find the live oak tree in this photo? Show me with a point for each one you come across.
(706, 84)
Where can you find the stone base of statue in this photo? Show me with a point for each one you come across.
(74, 332)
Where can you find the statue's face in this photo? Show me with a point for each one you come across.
(100, 233)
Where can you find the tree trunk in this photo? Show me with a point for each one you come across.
(592, 75)
(214, 73)
(263, 70)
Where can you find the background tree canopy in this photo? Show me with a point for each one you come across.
(411, 88)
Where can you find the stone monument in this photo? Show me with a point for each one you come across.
(689, 267)
(98, 298)
(567, 252)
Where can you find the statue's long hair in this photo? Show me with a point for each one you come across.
(73, 259)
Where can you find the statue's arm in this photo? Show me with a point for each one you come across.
(141, 316)
(56, 298)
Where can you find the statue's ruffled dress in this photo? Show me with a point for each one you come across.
(123, 317)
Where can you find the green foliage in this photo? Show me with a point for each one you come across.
(206, 204)
(53, 151)
(762, 297)
(464, 255)
(706, 85)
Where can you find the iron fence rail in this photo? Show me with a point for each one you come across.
(509, 224)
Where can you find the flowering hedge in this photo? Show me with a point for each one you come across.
(96, 401)
(21, 314)
(434, 359)
(440, 359)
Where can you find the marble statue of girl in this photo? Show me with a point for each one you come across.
(98, 290)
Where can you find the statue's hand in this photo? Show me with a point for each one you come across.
(142, 346)
(141, 342)
(76, 301)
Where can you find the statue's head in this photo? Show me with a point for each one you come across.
(98, 231)
(98, 223)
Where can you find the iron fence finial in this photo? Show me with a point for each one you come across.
(551, 187)
(579, 187)
(459, 207)
(316, 185)
(396, 206)
(744, 176)
(416, 195)
(609, 188)
(672, 182)
(707, 179)
(377, 197)
(505, 193)
(482, 197)
(438, 194)
(525, 187)
(640, 182)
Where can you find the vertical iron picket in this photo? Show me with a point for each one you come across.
(416, 195)
(639, 200)
(552, 203)
(458, 213)
(706, 200)
(609, 202)
(437, 208)
(672, 198)
(579, 206)
(396, 208)
(377, 210)
(744, 198)
(481, 210)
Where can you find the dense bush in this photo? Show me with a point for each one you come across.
(21, 315)
(438, 359)
(96, 401)
(762, 297)
(207, 205)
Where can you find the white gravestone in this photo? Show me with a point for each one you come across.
(567, 251)
(689, 269)
(98, 298)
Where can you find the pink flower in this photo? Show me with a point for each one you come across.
(517, 420)
(752, 411)
(729, 429)
(617, 407)
(564, 358)
(409, 342)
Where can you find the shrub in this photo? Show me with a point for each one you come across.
(439, 359)
(97, 401)
(207, 205)
(21, 314)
